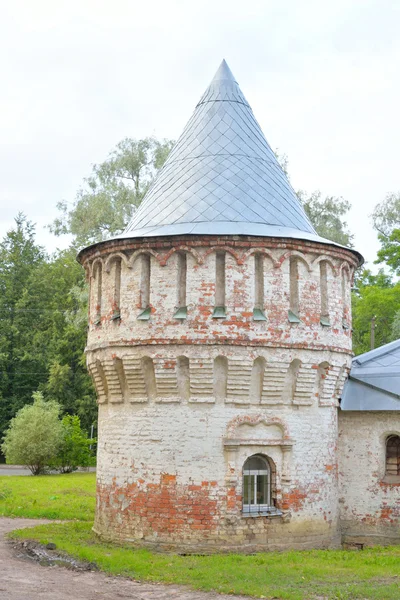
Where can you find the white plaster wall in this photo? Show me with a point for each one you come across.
(369, 506)
(142, 442)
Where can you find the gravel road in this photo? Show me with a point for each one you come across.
(24, 579)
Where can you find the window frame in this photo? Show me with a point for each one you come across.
(391, 477)
(253, 509)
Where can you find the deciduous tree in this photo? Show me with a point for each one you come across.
(379, 298)
(34, 435)
(109, 196)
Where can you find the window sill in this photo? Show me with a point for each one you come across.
(258, 315)
(181, 313)
(115, 316)
(325, 322)
(262, 513)
(293, 318)
(219, 312)
(144, 315)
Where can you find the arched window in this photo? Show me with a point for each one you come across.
(393, 455)
(294, 290)
(323, 278)
(181, 312)
(345, 301)
(116, 305)
(219, 311)
(145, 274)
(99, 291)
(257, 486)
(258, 311)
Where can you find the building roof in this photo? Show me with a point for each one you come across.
(374, 380)
(222, 177)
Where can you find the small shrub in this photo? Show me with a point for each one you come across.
(34, 435)
(74, 450)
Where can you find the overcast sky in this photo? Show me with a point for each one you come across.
(77, 76)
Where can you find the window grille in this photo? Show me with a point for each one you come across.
(257, 487)
(393, 455)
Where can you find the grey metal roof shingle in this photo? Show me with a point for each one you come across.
(374, 380)
(221, 170)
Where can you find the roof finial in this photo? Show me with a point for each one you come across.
(224, 72)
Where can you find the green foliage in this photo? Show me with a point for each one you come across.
(390, 250)
(378, 297)
(396, 326)
(34, 435)
(327, 216)
(71, 496)
(386, 215)
(386, 220)
(19, 258)
(43, 316)
(297, 575)
(74, 449)
(108, 198)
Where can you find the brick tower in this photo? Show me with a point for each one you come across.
(218, 343)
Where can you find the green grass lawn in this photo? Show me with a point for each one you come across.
(70, 496)
(309, 575)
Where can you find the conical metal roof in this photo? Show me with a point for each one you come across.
(221, 177)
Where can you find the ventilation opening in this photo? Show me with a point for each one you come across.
(219, 308)
(181, 312)
(258, 311)
(183, 377)
(220, 378)
(145, 288)
(116, 314)
(294, 291)
(257, 380)
(323, 277)
(99, 290)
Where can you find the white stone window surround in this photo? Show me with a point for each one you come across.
(273, 448)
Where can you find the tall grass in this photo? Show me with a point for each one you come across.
(70, 496)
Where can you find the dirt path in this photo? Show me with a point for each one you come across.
(23, 579)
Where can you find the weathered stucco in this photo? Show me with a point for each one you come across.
(369, 500)
(183, 404)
